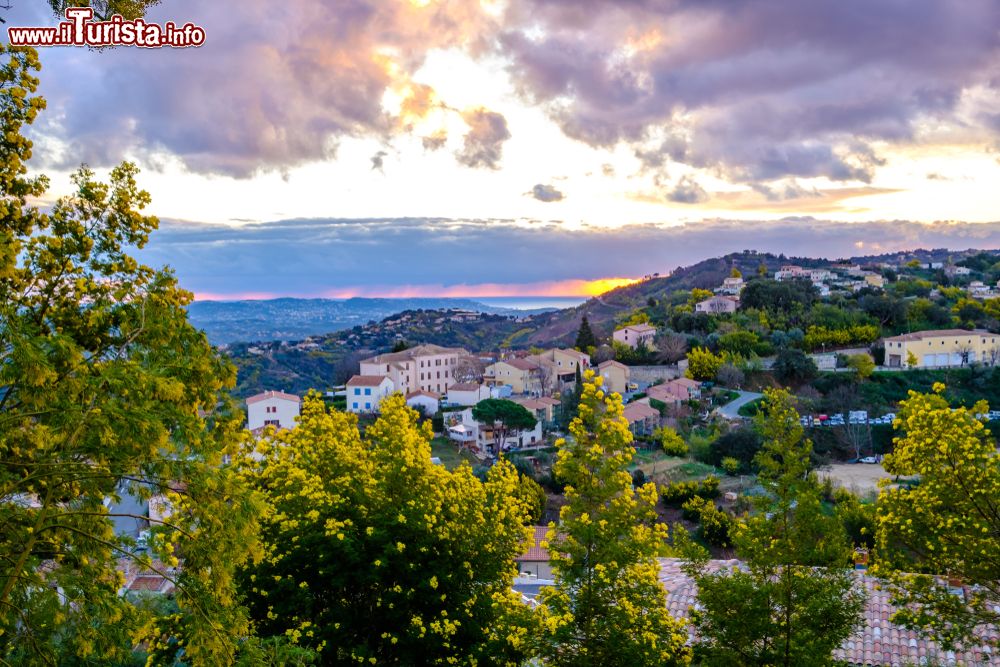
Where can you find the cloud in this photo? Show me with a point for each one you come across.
(378, 160)
(687, 191)
(483, 143)
(274, 86)
(312, 257)
(433, 142)
(546, 193)
(753, 89)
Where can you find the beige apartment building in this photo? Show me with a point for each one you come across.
(942, 348)
(420, 368)
(521, 375)
(635, 335)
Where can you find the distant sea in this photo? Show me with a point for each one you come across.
(530, 302)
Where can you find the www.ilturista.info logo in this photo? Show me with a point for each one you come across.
(79, 29)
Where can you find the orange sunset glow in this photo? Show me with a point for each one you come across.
(554, 288)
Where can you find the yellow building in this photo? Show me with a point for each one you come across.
(942, 348)
(616, 376)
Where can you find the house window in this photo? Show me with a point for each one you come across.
(368, 406)
(368, 392)
(271, 422)
(357, 392)
(355, 406)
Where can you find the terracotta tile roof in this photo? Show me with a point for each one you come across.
(535, 552)
(938, 333)
(421, 392)
(548, 400)
(662, 392)
(638, 411)
(685, 382)
(521, 364)
(412, 353)
(576, 353)
(533, 403)
(878, 641)
(366, 380)
(464, 386)
(611, 363)
(150, 583)
(263, 396)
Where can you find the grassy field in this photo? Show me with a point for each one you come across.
(447, 451)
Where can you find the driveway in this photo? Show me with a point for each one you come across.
(731, 410)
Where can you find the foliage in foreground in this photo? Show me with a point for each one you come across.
(948, 524)
(608, 607)
(375, 554)
(105, 390)
(795, 600)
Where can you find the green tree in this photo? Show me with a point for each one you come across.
(507, 417)
(862, 365)
(105, 390)
(739, 343)
(795, 600)
(948, 524)
(703, 364)
(607, 606)
(585, 338)
(794, 365)
(375, 554)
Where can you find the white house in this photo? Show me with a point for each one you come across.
(425, 402)
(365, 392)
(467, 393)
(480, 438)
(791, 271)
(635, 335)
(731, 286)
(272, 408)
(717, 304)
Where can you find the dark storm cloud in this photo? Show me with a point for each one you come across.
(546, 193)
(310, 257)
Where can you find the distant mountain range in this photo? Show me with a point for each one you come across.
(322, 361)
(294, 319)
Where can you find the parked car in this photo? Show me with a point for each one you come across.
(869, 459)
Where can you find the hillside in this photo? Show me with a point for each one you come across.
(322, 362)
(294, 319)
(327, 360)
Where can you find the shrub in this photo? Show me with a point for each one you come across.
(730, 465)
(673, 444)
(740, 444)
(703, 364)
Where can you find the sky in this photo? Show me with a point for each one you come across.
(534, 147)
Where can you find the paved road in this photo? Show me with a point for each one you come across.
(731, 410)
